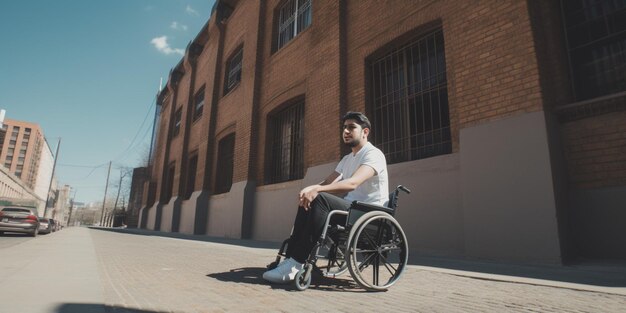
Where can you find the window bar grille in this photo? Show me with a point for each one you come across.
(410, 100)
(286, 161)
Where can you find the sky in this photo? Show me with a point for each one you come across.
(88, 72)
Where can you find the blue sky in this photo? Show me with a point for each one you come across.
(88, 72)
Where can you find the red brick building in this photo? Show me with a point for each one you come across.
(506, 118)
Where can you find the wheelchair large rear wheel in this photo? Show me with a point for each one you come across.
(377, 251)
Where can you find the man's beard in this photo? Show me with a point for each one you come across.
(353, 142)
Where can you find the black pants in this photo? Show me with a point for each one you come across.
(309, 224)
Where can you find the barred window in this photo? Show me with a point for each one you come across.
(192, 167)
(169, 184)
(198, 106)
(286, 149)
(410, 117)
(294, 17)
(596, 38)
(178, 117)
(225, 164)
(233, 76)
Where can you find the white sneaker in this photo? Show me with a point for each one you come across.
(285, 272)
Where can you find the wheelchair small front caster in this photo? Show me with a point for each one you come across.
(303, 278)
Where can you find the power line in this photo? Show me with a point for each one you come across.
(132, 142)
(83, 166)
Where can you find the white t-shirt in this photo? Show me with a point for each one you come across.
(375, 189)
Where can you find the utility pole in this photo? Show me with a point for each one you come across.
(105, 195)
(119, 187)
(56, 157)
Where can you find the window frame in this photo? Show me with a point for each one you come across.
(583, 87)
(192, 168)
(198, 106)
(233, 72)
(178, 121)
(225, 164)
(283, 25)
(280, 167)
(400, 93)
(169, 181)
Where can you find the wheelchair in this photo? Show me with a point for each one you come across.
(371, 245)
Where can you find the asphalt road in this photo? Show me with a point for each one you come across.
(80, 270)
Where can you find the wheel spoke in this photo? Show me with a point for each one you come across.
(388, 264)
(375, 269)
(366, 262)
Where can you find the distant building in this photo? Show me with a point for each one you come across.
(25, 153)
(15, 188)
(60, 210)
(505, 117)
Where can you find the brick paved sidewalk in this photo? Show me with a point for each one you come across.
(154, 272)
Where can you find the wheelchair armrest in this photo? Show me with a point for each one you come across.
(358, 209)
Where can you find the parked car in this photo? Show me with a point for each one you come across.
(19, 220)
(45, 227)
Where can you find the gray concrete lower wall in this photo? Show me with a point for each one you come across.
(598, 222)
(225, 212)
(152, 216)
(188, 214)
(495, 199)
(508, 203)
(431, 216)
(277, 204)
(167, 214)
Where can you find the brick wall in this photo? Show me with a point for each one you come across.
(503, 58)
(306, 66)
(235, 107)
(492, 69)
(596, 150)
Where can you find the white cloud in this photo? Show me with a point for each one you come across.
(177, 26)
(191, 11)
(160, 43)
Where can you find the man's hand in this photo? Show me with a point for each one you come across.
(307, 195)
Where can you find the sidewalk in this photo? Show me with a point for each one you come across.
(604, 277)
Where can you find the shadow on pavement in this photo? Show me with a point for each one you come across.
(6, 234)
(254, 276)
(97, 308)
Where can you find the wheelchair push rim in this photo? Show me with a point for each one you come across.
(377, 251)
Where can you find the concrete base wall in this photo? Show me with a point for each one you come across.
(598, 221)
(152, 216)
(277, 204)
(507, 188)
(225, 212)
(188, 214)
(431, 216)
(166, 215)
(494, 199)
(275, 211)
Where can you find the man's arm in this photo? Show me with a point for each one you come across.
(309, 193)
(330, 179)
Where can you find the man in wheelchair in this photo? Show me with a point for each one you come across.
(361, 176)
